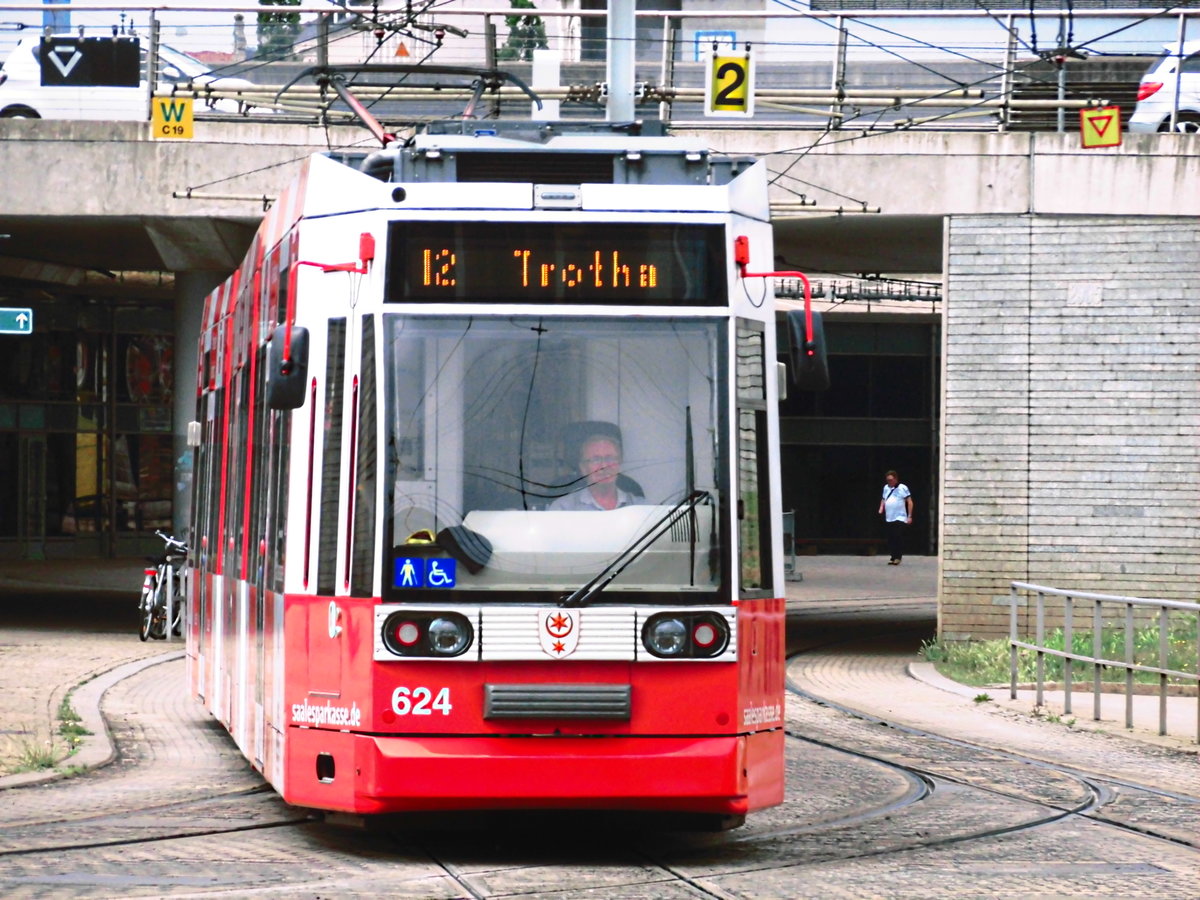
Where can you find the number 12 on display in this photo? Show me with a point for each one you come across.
(729, 85)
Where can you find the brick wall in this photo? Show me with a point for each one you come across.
(1071, 408)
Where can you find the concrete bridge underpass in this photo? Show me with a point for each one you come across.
(1057, 363)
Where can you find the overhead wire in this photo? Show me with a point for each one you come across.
(831, 137)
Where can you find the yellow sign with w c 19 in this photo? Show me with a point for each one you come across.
(171, 118)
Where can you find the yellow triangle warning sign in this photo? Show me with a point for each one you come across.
(401, 50)
(1100, 127)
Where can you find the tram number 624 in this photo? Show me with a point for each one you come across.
(420, 701)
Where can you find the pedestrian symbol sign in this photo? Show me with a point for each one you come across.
(420, 572)
(1100, 127)
(16, 320)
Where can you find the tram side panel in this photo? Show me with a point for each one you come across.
(235, 641)
(326, 655)
(762, 605)
(315, 628)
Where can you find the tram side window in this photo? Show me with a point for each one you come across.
(258, 464)
(201, 488)
(754, 506)
(362, 571)
(212, 448)
(331, 457)
(236, 486)
(277, 522)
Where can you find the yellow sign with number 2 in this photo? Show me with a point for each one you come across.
(730, 86)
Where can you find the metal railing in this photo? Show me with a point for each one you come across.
(1150, 611)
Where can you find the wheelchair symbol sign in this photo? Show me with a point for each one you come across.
(441, 573)
(418, 572)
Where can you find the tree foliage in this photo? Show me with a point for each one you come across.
(277, 31)
(526, 33)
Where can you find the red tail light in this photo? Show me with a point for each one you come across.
(1147, 88)
(407, 633)
(704, 635)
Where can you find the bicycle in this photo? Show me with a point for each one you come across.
(162, 591)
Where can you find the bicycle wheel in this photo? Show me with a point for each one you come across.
(146, 612)
(158, 610)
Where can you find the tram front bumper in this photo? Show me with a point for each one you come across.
(395, 774)
(554, 772)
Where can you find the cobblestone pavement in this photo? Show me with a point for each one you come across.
(180, 814)
(62, 624)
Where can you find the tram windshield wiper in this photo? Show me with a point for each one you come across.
(627, 556)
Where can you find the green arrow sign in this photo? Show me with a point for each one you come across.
(16, 321)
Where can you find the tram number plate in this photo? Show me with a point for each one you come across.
(421, 701)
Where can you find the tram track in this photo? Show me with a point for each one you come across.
(28, 833)
(92, 817)
(932, 796)
(1101, 790)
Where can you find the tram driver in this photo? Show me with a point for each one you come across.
(600, 483)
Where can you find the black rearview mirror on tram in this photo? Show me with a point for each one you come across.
(288, 367)
(810, 368)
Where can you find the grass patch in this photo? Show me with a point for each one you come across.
(70, 725)
(33, 755)
(981, 663)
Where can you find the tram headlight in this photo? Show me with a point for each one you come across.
(665, 636)
(449, 636)
(421, 633)
(698, 635)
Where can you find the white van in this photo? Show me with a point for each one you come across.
(66, 76)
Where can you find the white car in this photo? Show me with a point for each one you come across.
(1156, 93)
(97, 78)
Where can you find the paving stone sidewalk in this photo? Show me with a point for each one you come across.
(62, 627)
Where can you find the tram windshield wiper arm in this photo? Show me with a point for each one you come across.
(627, 556)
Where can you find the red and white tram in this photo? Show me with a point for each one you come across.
(418, 399)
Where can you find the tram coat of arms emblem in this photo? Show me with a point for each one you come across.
(558, 633)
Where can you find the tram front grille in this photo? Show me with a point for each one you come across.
(557, 701)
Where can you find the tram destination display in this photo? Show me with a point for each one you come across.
(552, 262)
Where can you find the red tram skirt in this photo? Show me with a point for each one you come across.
(728, 775)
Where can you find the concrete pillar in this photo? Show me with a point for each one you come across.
(620, 64)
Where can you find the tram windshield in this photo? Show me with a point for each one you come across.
(528, 454)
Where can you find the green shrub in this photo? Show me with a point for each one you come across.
(987, 662)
